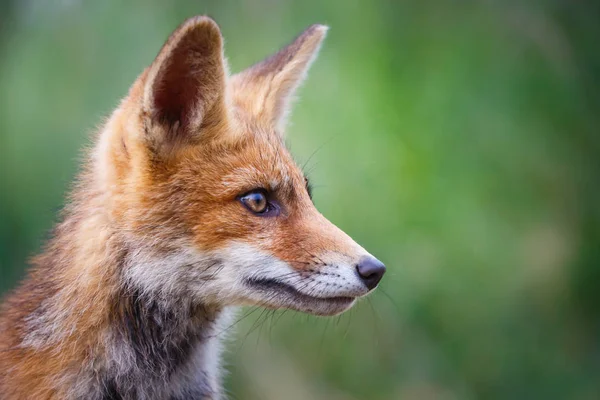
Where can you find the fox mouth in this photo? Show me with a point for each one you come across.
(282, 295)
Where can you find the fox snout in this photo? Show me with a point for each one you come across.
(308, 264)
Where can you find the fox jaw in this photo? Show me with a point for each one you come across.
(207, 193)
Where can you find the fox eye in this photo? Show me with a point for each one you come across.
(257, 202)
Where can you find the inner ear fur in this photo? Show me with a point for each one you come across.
(267, 88)
(185, 86)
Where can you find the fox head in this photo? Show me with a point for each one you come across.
(204, 192)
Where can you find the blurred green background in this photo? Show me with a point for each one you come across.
(458, 141)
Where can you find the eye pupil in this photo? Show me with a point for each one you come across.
(255, 201)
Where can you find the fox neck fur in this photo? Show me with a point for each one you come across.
(126, 342)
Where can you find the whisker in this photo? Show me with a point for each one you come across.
(326, 142)
(390, 299)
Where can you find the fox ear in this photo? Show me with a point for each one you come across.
(268, 87)
(184, 88)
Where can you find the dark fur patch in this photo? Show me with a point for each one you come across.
(162, 334)
(110, 391)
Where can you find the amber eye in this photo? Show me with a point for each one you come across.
(256, 201)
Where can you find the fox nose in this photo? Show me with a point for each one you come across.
(370, 270)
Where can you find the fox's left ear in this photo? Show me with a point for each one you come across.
(185, 87)
(267, 88)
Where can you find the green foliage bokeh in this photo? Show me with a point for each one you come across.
(458, 141)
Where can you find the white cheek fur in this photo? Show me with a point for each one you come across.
(219, 277)
(215, 277)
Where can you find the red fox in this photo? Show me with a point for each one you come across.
(189, 204)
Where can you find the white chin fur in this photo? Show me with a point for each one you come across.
(225, 277)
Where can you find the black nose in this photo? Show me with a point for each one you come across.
(370, 270)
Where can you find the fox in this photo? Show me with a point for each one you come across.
(188, 206)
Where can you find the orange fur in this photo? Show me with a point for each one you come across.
(163, 183)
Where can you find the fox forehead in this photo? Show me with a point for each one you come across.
(258, 160)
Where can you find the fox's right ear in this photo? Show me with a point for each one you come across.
(268, 87)
(184, 88)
